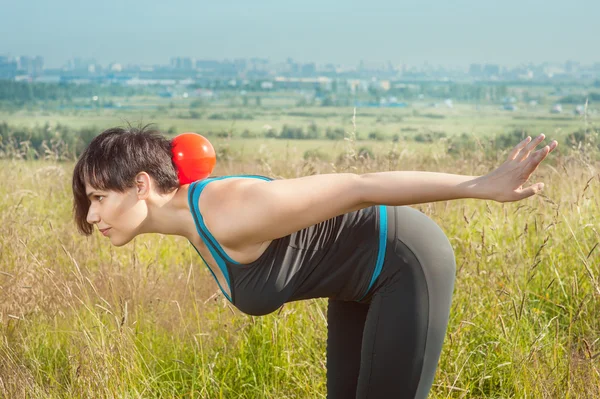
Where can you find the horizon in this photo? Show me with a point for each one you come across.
(368, 64)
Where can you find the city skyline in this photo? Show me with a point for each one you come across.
(414, 33)
(84, 69)
(77, 62)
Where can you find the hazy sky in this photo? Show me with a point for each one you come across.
(449, 32)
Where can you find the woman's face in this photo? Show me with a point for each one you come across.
(117, 215)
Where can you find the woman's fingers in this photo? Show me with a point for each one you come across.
(538, 156)
(513, 154)
(536, 159)
(530, 147)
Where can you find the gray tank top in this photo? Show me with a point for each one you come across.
(339, 258)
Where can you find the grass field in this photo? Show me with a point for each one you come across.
(226, 113)
(81, 319)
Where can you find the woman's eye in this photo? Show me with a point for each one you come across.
(99, 198)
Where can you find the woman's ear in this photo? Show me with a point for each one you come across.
(143, 185)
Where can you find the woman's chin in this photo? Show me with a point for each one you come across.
(119, 241)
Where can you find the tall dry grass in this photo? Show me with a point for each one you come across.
(80, 319)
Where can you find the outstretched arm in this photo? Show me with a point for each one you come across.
(258, 211)
(504, 184)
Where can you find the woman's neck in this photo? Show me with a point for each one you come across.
(170, 214)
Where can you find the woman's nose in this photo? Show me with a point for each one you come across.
(92, 216)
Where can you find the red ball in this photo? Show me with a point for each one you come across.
(193, 156)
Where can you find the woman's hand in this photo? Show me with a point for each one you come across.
(505, 183)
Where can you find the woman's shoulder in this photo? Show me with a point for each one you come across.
(225, 181)
(244, 176)
(221, 187)
(219, 204)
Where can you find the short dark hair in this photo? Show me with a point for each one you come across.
(114, 158)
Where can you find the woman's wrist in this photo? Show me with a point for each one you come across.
(478, 187)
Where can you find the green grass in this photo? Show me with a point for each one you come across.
(278, 109)
(81, 319)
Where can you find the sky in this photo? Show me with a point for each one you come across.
(414, 32)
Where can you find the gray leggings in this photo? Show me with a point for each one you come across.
(388, 344)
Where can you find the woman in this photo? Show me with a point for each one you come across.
(387, 269)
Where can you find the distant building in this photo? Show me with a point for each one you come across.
(206, 64)
(309, 69)
(475, 70)
(80, 64)
(571, 66)
(185, 63)
(115, 67)
(35, 66)
(484, 71)
(25, 63)
(8, 67)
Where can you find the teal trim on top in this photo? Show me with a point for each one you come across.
(383, 227)
(223, 268)
(214, 247)
(218, 259)
(201, 185)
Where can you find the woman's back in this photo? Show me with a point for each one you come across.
(335, 258)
